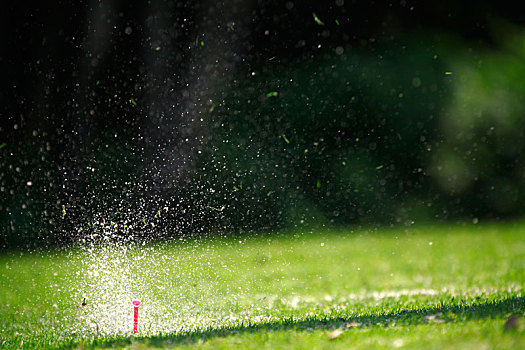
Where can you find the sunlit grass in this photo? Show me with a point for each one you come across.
(441, 286)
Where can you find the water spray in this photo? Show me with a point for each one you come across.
(136, 304)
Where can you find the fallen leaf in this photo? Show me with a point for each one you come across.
(432, 317)
(512, 322)
(335, 334)
(352, 324)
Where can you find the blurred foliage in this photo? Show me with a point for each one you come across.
(390, 130)
(412, 132)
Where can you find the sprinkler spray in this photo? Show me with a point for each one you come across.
(136, 304)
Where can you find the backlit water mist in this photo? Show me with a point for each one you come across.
(127, 124)
(173, 101)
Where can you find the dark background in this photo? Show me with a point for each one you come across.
(167, 119)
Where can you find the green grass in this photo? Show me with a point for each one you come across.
(436, 287)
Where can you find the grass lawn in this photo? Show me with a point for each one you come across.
(443, 286)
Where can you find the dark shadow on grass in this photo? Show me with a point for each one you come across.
(459, 312)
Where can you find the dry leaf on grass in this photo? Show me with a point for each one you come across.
(335, 334)
(512, 322)
(433, 317)
(352, 324)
